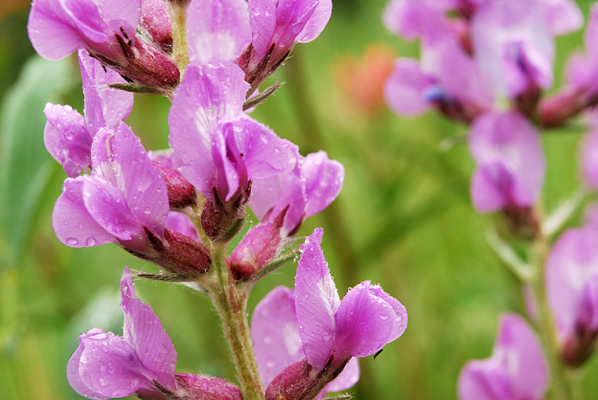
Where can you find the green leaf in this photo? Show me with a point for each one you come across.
(25, 165)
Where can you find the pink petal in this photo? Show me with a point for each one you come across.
(72, 223)
(144, 332)
(316, 23)
(404, 89)
(367, 321)
(275, 333)
(323, 181)
(347, 379)
(220, 31)
(72, 374)
(262, 19)
(316, 302)
(109, 365)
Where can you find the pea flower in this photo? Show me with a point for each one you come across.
(516, 370)
(142, 361)
(68, 135)
(124, 201)
(277, 342)
(332, 331)
(107, 30)
(510, 162)
(572, 290)
(281, 203)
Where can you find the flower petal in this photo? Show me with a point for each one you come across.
(72, 374)
(144, 332)
(404, 89)
(323, 181)
(316, 302)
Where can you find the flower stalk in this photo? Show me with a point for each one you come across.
(230, 301)
(180, 46)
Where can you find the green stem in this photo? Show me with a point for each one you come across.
(180, 46)
(231, 303)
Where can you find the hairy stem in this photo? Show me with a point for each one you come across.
(231, 303)
(180, 46)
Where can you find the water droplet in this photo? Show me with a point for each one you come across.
(147, 210)
(102, 382)
(90, 241)
(102, 368)
(383, 317)
(72, 241)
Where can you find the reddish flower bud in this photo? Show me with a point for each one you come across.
(221, 222)
(155, 23)
(180, 192)
(579, 346)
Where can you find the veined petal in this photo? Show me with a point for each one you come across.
(220, 31)
(50, 31)
(108, 207)
(72, 222)
(367, 320)
(316, 302)
(316, 23)
(109, 365)
(121, 160)
(144, 332)
(74, 378)
(262, 20)
(206, 94)
(275, 333)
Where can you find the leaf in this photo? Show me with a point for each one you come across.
(25, 165)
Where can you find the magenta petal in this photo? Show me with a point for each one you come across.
(404, 89)
(264, 153)
(109, 365)
(67, 139)
(518, 350)
(316, 23)
(275, 333)
(103, 106)
(122, 161)
(109, 209)
(199, 102)
(72, 374)
(121, 14)
(323, 181)
(316, 302)
(51, 34)
(347, 379)
(72, 223)
(262, 19)
(220, 30)
(573, 259)
(483, 380)
(590, 159)
(588, 310)
(181, 223)
(366, 322)
(143, 330)
(492, 187)
(510, 140)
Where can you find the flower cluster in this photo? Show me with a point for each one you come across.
(180, 207)
(487, 64)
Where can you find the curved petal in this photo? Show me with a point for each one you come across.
(220, 31)
(316, 23)
(563, 16)
(483, 380)
(181, 223)
(144, 332)
(121, 159)
(199, 102)
(492, 187)
(323, 181)
(72, 374)
(275, 333)
(109, 365)
(67, 139)
(365, 323)
(316, 302)
(72, 223)
(50, 32)
(262, 20)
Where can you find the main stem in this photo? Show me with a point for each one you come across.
(231, 304)
(180, 46)
(546, 325)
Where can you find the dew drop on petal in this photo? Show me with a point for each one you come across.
(71, 241)
(90, 241)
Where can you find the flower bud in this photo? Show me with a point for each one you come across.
(155, 23)
(221, 222)
(180, 192)
(201, 387)
(579, 346)
(300, 381)
(261, 244)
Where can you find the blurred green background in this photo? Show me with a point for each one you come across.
(403, 218)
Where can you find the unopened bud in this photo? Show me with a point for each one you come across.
(179, 254)
(200, 387)
(300, 381)
(260, 245)
(222, 222)
(155, 23)
(556, 110)
(579, 346)
(181, 193)
(523, 222)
